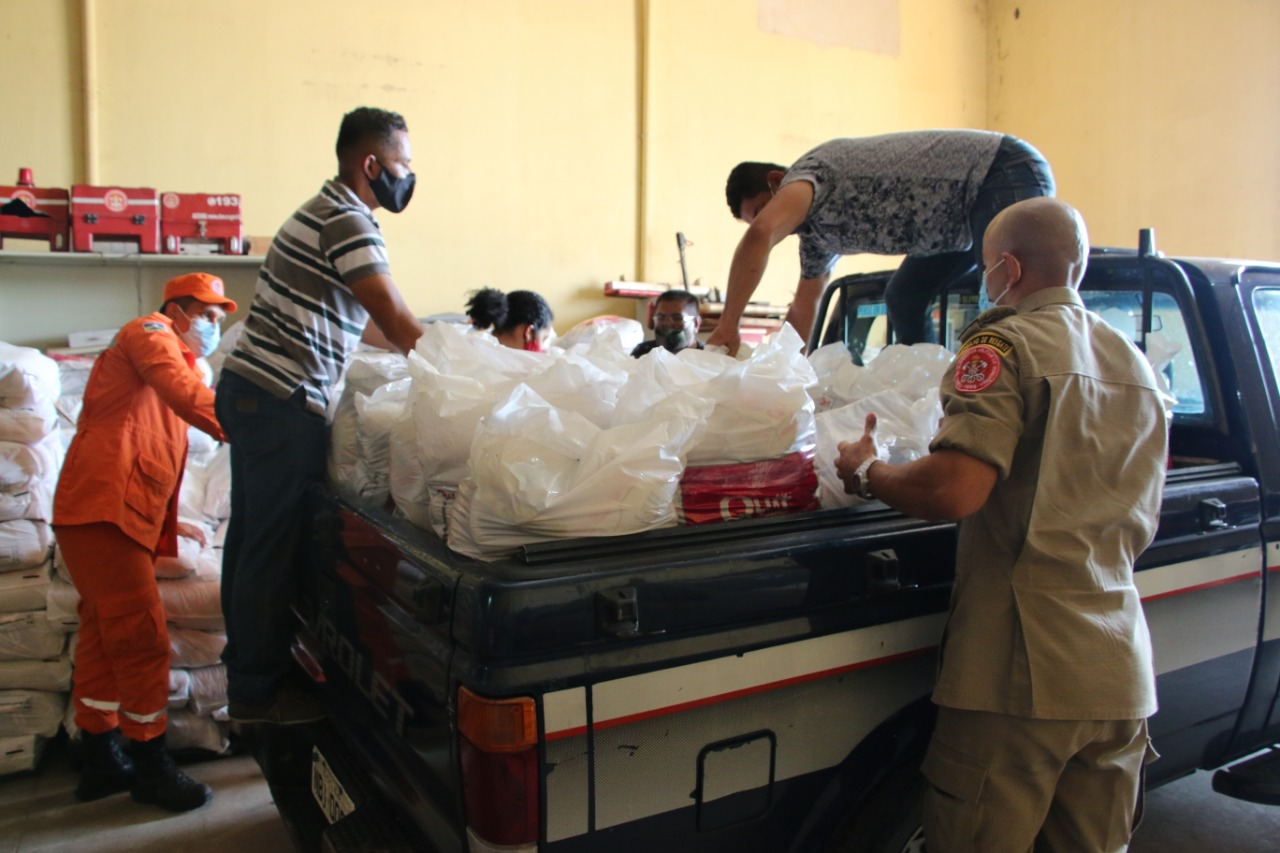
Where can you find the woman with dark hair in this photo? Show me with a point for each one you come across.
(520, 319)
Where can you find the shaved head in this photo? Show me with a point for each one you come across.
(1048, 239)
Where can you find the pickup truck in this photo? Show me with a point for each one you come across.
(763, 684)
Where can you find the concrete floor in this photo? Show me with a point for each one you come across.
(39, 815)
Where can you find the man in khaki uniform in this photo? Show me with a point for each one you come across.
(1052, 455)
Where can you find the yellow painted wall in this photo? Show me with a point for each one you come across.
(1162, 113)
(526, 116)
(40, 116)
(722, 91)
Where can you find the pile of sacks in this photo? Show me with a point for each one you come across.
(35, 665)
(495, 448)
(189, 584)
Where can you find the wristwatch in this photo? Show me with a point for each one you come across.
(864, 487)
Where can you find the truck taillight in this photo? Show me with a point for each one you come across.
(499, 749)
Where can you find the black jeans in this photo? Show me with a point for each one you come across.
(278, 449)
(1018, 172)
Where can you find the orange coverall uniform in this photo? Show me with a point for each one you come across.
(115, 511)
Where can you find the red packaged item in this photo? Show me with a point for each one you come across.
(115, 214)
(772, 487)
(197, 223)
(34, 213)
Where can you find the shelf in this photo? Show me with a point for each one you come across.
(72, 259)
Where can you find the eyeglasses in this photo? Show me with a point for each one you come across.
(671, 318)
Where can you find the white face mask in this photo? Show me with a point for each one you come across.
(202, 336)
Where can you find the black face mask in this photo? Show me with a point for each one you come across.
(391, 192)
(673, 340)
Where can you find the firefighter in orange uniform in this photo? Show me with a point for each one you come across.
(115, 511)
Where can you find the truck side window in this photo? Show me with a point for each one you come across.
(1266, 307)
(1167, 344)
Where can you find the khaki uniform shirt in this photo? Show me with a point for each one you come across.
(1045, 619)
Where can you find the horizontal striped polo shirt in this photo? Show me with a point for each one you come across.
(304, 321)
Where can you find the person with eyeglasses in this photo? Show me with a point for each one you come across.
(674, 322)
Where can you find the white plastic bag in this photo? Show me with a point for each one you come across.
(617, 334)
(762, 406)
(904, 427)
(28, 424)
(189, 648)
(24, 543)
(541, 473)
(29, 636)
(31, 712)
(27, 377)
(52, 674)
(193, 602)
(24, 590)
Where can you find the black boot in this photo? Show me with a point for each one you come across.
(158, 780)
(104, 768)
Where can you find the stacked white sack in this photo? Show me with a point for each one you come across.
(190, 590)
(35, 669)
(900, 385)
(73, 374)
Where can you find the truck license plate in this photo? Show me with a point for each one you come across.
(327, 790)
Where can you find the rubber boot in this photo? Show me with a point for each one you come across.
(159, 781)
(104, 767)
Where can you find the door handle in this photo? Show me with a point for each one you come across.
(1213, 514)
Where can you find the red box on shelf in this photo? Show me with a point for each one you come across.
(193, 222)
(53, 203)
(112, 213)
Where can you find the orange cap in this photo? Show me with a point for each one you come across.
(207, 288)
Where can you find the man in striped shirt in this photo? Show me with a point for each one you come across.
(324, 277)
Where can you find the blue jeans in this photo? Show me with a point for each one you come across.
(1018, 172)
(278, 449)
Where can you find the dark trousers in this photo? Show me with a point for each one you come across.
(1018, 172)
(278, 450)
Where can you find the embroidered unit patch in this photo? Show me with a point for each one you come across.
(977, 368)
(991, 339)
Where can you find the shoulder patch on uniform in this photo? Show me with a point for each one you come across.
(995, 340)
(153, 326)
(977, 367)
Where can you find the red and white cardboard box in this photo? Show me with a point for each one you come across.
(195, 223)
(52, 227)
(114, 214)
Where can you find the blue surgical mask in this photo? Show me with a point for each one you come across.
(202, 336)
(984, 301)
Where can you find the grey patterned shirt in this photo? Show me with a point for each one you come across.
(305, 321)
(899, 193)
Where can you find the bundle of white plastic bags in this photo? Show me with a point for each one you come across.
(495, 448)
(900, 385)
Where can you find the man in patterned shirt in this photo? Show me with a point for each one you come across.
(925, 194)
(324, 277)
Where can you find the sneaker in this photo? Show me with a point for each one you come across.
(289, 707)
